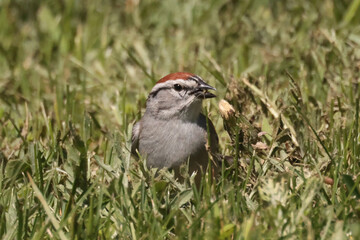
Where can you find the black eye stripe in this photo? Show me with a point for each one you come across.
(154, 93)
(193, 79)
(196, 78)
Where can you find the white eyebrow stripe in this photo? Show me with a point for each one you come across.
(167, 84)
(196, 78)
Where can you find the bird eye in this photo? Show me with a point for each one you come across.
(177, 87)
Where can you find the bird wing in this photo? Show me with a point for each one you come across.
(135, 138)
(214, 139)
(213, 144)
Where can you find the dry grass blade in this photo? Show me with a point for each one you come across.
(272, 109)
(47, 209)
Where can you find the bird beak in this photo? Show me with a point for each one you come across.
(202, 91)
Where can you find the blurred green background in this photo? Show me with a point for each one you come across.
(74, 76)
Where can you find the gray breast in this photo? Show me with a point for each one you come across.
(170, 144)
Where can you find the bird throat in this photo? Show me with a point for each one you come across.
(192, 112)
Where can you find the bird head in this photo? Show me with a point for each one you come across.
(178, 95)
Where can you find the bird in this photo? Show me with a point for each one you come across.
(173, 129)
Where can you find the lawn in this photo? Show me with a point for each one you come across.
(74, 78)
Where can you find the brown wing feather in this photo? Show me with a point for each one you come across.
(214, 139)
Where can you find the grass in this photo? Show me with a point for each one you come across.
(75, 76)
